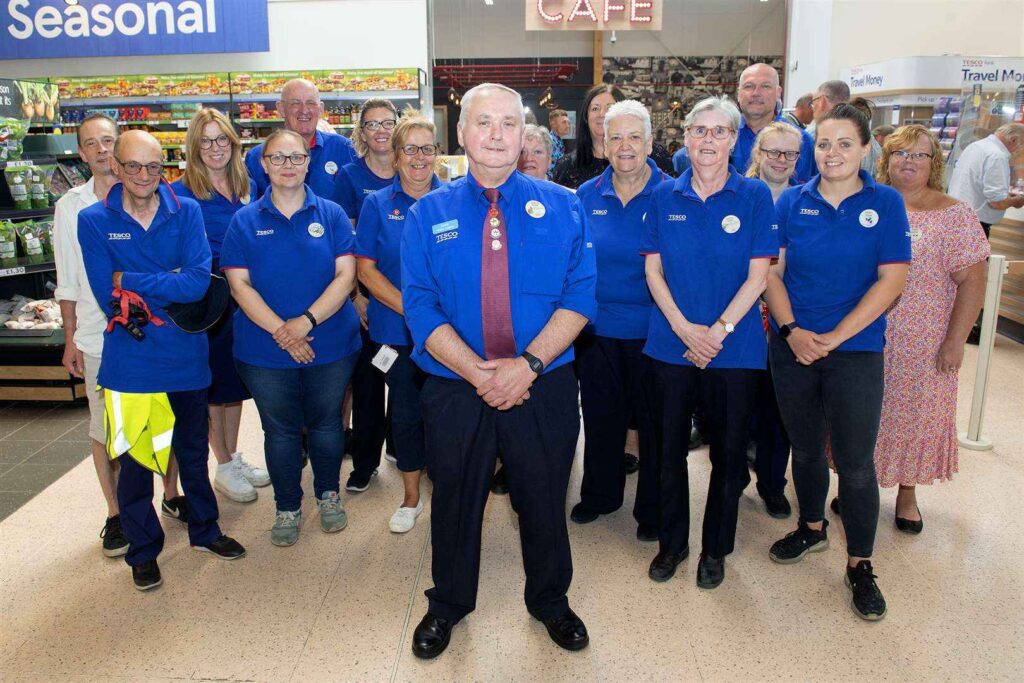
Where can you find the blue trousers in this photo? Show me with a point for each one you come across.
(288, 400)
(135, 483)
(537, 442)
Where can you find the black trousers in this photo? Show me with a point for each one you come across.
(727, 397)
(839, 396)
(770, 438)
(612, 374)
(537, 442)
(369, 423)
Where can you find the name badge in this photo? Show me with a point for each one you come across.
(331, 167)
(384, 358)
(869, 218)
(447, 226)
(731, 223)
(535, 209)
(315, 230)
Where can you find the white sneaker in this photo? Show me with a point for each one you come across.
(230, 481)
(404, 519)
(257, 476)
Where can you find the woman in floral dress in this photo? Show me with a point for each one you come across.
(929, 324)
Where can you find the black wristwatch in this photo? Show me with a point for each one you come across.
(309, 316)
(786, 330)
(535, 363)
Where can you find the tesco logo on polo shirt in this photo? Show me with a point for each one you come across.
(119, 235)
(809, 212)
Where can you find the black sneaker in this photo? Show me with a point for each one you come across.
(359, 482)
(797, 544)
(224, 547)
(632, 463)
(175, 508)
(115, 543)
(147, 576)
(776, 504)
(696, 438)
(867, 600)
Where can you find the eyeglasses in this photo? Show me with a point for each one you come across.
(427, 150)
(776, 153)
(221, 140)
(717, 132)
(134, 167)
(387, 124)
(278, 159)
(913, 156)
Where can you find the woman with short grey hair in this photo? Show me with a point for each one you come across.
(535, 159)
(709, 243)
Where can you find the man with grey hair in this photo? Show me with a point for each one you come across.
(829, 94)
(558, 121)
(981, 177)
(498, 279)
(301, 109)
(758, 93)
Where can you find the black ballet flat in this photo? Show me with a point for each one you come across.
(909, 526)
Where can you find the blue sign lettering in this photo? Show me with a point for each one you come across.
(32, 29)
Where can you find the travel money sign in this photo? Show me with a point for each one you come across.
(34, 29)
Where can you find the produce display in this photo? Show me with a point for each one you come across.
(12, 135)
(36, 240)
(18, 179)
(8, 245)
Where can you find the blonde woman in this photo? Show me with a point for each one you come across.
(216, 178)
(774, 157)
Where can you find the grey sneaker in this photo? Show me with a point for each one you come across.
(286, 528)
(332, 512)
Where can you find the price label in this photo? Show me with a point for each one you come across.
(182, 123)
(21, 163)
(8, 272)
(181, 165)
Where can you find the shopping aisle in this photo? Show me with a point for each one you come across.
(342, 607)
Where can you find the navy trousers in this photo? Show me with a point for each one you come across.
(537, 442)
(135, 483)
(369, 422)
(612, 374)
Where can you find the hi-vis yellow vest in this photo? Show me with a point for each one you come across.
(140, 425)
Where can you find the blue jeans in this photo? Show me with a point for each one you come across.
(288, 400)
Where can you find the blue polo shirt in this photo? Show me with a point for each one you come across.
(218, 211)
(291, 261)
(167, 263)
(623, 300)
(680, 161)
(832, 255)
(706, 248)
(740, 158)
(379, 239)
(550, 256)
(329, 153)
(354, 183)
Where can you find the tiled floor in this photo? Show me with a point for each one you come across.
(342, 607)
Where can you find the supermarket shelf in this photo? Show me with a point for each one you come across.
(332, 96)
(258, 122)
(180, 123)
(13, 214)
(172, 146)
(118, 101)
(26, 268)
(343, 125)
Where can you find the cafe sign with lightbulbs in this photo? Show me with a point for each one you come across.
(593, 15)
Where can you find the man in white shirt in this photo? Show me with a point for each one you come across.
(981, 177)
(84, 321)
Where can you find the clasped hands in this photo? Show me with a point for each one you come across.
(702, 342)
(504, 383)
(809, 347)
(292, 336)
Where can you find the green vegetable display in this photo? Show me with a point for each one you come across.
(40, 191)
(8, 245)
(12, 133)
(18, 183)
(31, 240)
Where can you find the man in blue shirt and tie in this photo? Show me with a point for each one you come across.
(758, 94)
(498, 279)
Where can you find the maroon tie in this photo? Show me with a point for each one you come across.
(495, 304)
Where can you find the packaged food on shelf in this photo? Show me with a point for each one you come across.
(18, 184)
(36, 239)
(41, 191)
(22, 313)
(12, 135)
(8, 245)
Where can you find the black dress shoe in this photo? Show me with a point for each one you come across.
(663, 566)
(499, 484)
(568, 631)
(632, 463)
(581, 514)
(224, 547)
(696, 439)
(646, 533)
(431, 637)
(910, 526)
(834, 506)
(776, 504)
(147, 576)
(710, 571)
